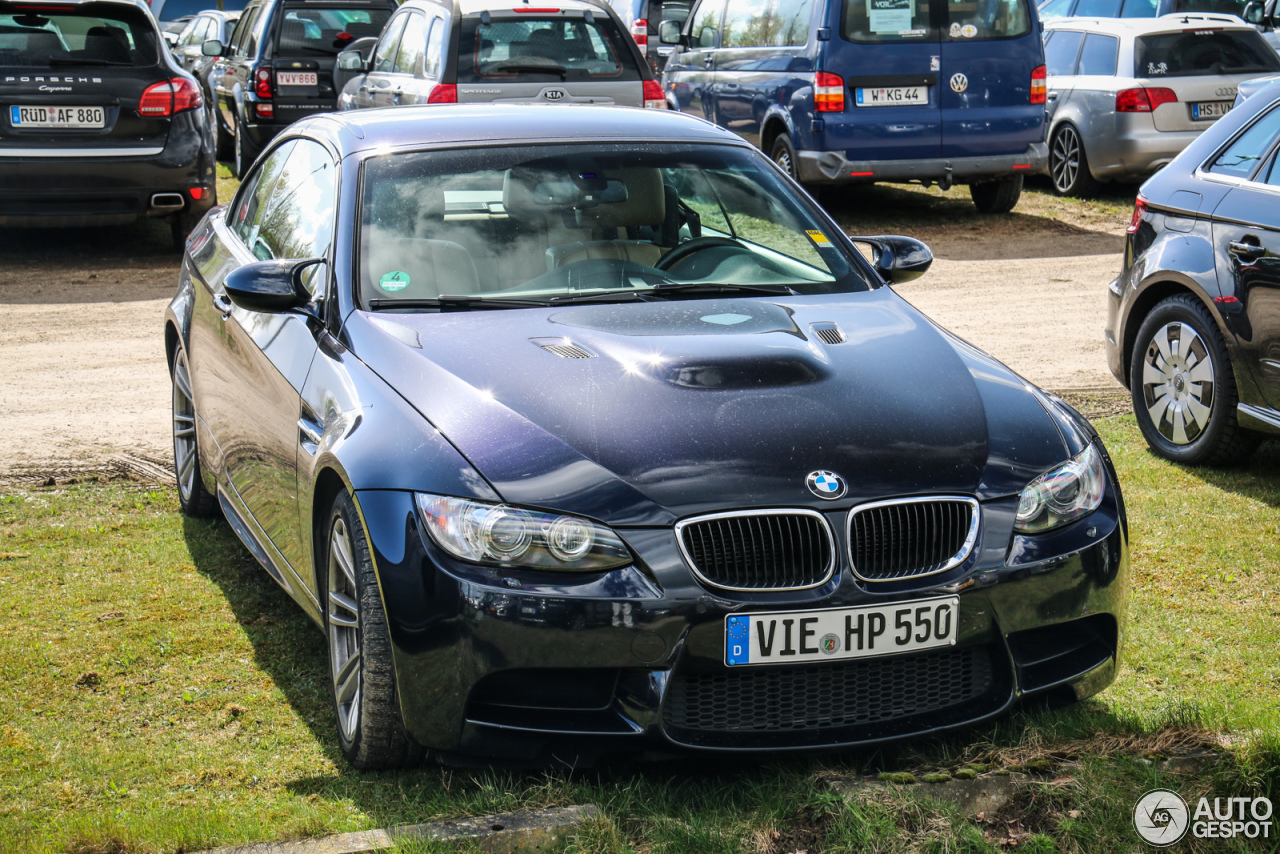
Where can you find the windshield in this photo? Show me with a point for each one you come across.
(549, 224)
(51, 38)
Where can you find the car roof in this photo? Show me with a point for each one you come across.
(431, 125)
(1144, 26)
(136, 4)
(475, 7)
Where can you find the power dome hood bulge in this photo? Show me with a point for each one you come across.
(695, 406)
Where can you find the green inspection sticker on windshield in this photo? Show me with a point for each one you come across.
(396, 280)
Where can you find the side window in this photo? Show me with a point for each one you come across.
(241, 34)
(1273, 171)
(1099, 55)
(1098, 9)
(746, 24)
(435, 49)
(297, 221)
(246, 219)
(1138, 9)
(1241, 157)
(704, 32)
(385, 52)
(255, 31)
(412, 44)
(1060, 52)
(790, 22)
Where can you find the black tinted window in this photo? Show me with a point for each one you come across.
(50, 39)
(539, 48)
(1194, 53)
(175, 9)
(1099, 55)
(896, 21)
(310, 30)
(1060, 51)
(1241, 157)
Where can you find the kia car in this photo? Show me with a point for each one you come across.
(1190, 328)
(581, 430)
(100, 124)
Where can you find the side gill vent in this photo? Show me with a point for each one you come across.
(564, 348)
(828, 332)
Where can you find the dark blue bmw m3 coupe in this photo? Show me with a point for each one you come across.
(582, 430)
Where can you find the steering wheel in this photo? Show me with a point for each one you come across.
(684, 250)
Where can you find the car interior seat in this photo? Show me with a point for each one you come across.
(634, 229)
(428, 266)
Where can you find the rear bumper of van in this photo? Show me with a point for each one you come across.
(832, 167)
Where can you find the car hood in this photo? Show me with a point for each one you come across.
(640, 413)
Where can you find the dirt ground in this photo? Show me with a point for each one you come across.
(86, 389)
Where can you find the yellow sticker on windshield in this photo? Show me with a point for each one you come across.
(818, 237)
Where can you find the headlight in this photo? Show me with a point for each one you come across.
(511, 536)
(1062, 495)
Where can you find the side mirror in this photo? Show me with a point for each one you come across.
(1253, 13)
(270, 286)
(212, 47)
(899, 259)
(669, 32)
(351, 60)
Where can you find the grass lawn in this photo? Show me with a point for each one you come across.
(158, 692)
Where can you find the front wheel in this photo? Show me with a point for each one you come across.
(371, 733)
(995, 197)
(1183, 387)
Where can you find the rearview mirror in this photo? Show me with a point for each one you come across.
(899, 259)
(270, 286)
(669, 32)
(211, 47)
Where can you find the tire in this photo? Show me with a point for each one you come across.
(224, 142)
(371, 733)
(784, 154)
(193, 498)
(1068, 165)
(1184, 389)
(243, 154)
(996, 197)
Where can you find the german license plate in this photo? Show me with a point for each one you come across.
(297, 78)
(832, 634)
(1210, 110)
(57, 117)
(892, 96)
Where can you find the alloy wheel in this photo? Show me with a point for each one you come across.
(343, 622)
(1177, 383)
(184, 428)
(783, 159)
(1065, 158)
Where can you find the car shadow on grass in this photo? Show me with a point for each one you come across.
(1257, 478)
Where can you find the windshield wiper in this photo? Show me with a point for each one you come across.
(66, 60)
(696, 288)
(534, 67)
(456, 302)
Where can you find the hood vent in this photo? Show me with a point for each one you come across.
(564, 348)
(828, 332)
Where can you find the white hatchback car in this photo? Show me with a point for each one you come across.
(1126, 95)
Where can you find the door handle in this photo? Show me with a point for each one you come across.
(707, 62)
(223, 304)
(1245, 250)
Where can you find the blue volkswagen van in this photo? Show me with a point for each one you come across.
(859, 91)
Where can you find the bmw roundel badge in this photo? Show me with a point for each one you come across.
(826, 484)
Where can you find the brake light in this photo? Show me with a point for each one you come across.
(169, 97)
(443, 93)
(828, 92)
(1039, 86)
(654, 99)
(640, 31)
(262, 83)
(197, 193)
(1139, 211)
(1143, 100)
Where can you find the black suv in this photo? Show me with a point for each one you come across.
(279, 65)
(100, 125)
(1192, 323)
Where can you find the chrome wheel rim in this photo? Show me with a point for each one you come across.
(343, 622)
(1177, 383)
(1066, 159)
(184, 427)
(783, 159)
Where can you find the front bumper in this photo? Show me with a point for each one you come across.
(535, 668)
(832, 167)
(45, 187)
